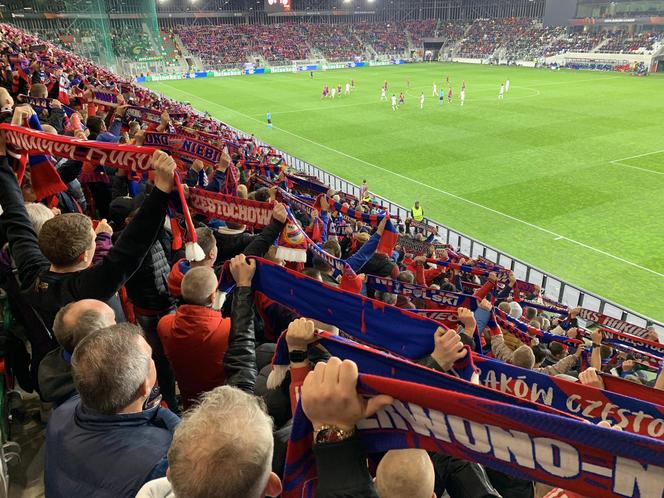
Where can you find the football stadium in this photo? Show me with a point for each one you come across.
(332, 248)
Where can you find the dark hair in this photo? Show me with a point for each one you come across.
(94, 124)
(262, 194)
(539, 353)
(605, 351)
(206, 239)
(321, 265)
(64, 238)
(556, 348)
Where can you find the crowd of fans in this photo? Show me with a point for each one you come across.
(226, 45)
(126, 330)
(337, 42)
(620, 42)
(384, 38)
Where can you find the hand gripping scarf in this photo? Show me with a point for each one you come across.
(507, 383)
(390, 235)
(526, 443)
(399, 331)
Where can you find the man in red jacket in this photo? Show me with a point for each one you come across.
(204, 348)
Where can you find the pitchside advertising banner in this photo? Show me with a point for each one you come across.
(278, 5)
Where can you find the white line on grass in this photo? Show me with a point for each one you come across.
(413, 180)
(619, 162)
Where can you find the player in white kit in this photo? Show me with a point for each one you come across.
(334, 92)
(507, 86)
(383, 95)
(422, 101)
(347, 88)
(502, 92)
(394, 103)
(462, 95)
(435, 90)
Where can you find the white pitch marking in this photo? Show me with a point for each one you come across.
(619, 162)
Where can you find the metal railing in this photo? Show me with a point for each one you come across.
(554, 288)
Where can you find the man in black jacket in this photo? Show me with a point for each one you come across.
(148, 292)
(55, 269)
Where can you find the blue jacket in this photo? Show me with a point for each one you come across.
(96, 455)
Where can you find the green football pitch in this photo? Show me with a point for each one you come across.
(566, 173)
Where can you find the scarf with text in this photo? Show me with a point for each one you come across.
(438, 297)
(612, 323)
(503, 275)
(500, 381)
(105, 97)
(311, 184)
(180, 146)
(530, 444)
(521, 329)
(225, 207)
(126, 157)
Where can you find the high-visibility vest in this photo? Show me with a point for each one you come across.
(418, 213)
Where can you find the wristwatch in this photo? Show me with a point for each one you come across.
(332, 434)
(298, 356)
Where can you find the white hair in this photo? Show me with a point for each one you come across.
(223, 447)
(38, 214)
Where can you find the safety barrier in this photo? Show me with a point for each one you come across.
(554, 287)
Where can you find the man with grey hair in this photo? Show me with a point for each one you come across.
(38, 214)
(112, 438)
(222, 448)
(74, 322)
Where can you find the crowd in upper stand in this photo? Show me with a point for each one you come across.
(510, 38)
(225, 45)
(122, 330)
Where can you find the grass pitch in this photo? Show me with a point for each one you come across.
(566, 173)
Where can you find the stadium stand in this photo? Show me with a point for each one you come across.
(112, 311)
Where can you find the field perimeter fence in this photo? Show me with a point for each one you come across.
(554, 287)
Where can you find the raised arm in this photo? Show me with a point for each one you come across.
(240, 359)
(16, 226)
(104, 279)
(260, 245)
(330, 401)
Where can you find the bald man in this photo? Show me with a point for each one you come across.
(405, 473)
(206, 349)
(72, 323)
